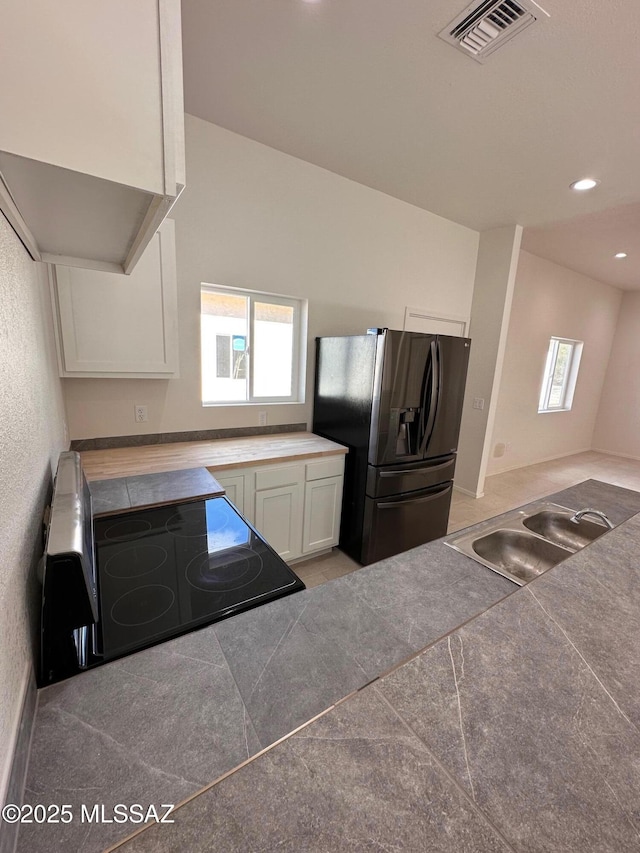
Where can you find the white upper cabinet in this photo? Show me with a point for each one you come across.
(92, 129)
(111, 325)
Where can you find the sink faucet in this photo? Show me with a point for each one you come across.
(581, 513)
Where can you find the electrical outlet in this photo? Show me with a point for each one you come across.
(262, 418)
(140, 414)
(478, 402)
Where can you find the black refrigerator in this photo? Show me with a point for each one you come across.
(395, 400)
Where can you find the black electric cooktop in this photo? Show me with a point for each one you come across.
(167, 570)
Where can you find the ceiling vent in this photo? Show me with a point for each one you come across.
(484, 27)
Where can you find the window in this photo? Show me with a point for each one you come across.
(560, 375)
(251, 346)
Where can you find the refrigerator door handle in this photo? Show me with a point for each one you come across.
(435, 395)
(432, 496)
(428, 384)
(396, 472)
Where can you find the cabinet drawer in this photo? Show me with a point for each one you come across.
(272, 478)
(332, 467)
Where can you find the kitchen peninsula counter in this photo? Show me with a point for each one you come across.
(514, 730)
(218, 454)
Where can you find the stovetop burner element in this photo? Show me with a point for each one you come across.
(142, 606)
(135, 561)
(126, 529)
(188, 522)
(223, 570)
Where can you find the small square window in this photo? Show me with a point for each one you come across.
(560, 375)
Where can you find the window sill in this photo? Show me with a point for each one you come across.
(552, 411)
(244, 403)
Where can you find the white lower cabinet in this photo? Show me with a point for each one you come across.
(295, 506)
(234, 486)
(322, 505)
(279, 519)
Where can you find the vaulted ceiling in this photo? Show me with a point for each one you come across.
(366, 89)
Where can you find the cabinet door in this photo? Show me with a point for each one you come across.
(112, 325)
(234, 488)
(279, 519)
(92, 131)
(322, 506)
(72, 67)
(238, 484)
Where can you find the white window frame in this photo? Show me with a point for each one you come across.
(299, 354)
(571, 376)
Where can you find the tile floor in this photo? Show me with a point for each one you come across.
(502, 492)
(324, 568)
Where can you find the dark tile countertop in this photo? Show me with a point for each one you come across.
(128, 493)
(518, 731)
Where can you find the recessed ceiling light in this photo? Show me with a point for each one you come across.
(584, 184)
(621, 255)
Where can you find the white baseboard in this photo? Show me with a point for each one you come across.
(618, 455)
(467, 492)
(306, 557)
(5, 772)
(547, 459)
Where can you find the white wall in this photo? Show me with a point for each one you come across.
(490, 312)
(618, 423)
(254, 217)
(31, 436)
(550, 300)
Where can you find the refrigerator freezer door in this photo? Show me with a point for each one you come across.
(392, 525)
(410, 477)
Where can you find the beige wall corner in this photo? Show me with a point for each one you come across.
(498, 254)
(616, 428)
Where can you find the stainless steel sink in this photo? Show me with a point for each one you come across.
(522, 544)
(520, 554)
(558, 527)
